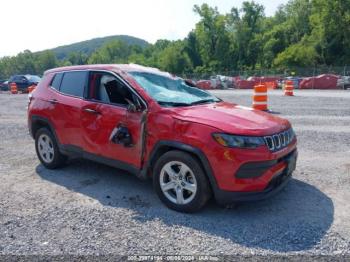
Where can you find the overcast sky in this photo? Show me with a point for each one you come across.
(37, 24)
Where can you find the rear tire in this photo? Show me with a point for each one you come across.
(47, 149)
(180, 182)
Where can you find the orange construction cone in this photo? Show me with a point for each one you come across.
(260, 97)
(288, 88)
(13, 88)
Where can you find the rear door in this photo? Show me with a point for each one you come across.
(104, 111)
(66, 106)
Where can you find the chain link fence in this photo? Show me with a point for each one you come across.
(298, 71)
(339, 74)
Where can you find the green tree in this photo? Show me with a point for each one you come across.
(297, 55)
(330, 22)
(246, 25)
(112, 52)
(152, 52)
(212, 36)
(192, 49)
(25, 63)
(45, 60)
(174, 59)
(7, 67)
(301, 33)
(77, 58)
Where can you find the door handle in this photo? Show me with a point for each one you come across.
(91, 111)
(53, 101)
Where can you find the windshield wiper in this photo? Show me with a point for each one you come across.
(203, 101)
(166, 103)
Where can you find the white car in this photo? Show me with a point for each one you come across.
(344, 82)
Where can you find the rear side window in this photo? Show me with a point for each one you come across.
(73, 83)
(56, 82)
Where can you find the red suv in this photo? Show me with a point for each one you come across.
(155, 125)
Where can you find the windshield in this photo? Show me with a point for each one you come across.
(171, 91)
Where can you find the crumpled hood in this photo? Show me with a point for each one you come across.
(233, 119)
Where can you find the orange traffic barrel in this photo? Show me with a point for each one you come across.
(31, 88)
(260, 97)
(13, 88)
(288, 88)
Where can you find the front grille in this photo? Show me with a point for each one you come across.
(279, 141)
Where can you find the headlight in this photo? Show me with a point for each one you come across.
(238, 141)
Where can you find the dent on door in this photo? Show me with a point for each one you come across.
(121, 135)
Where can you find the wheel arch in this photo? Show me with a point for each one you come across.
(165, 146)
(38, 122)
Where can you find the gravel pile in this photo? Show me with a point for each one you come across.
(88, 208)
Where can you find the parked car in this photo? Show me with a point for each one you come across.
(192, 144)
(344, 82)
(225, 82)
(204, 84)
(325, 81)
(216, 82)
(4, 85)
(24, 81)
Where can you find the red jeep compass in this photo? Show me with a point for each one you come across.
(153, 124)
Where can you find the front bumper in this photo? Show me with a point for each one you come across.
(278, 182)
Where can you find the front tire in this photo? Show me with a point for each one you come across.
(180, 182)
(47, 149)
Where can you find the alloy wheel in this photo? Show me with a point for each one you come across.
(178, 182)
(45, 148)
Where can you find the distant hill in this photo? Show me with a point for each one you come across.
(90, 46)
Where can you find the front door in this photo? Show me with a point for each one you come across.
(104, 112)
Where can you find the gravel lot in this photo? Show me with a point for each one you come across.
(88, 208)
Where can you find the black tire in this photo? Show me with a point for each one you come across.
(203, 192)
(58, 159)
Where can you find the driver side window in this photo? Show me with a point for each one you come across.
(106, 88)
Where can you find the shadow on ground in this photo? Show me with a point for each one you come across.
(294, 220)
